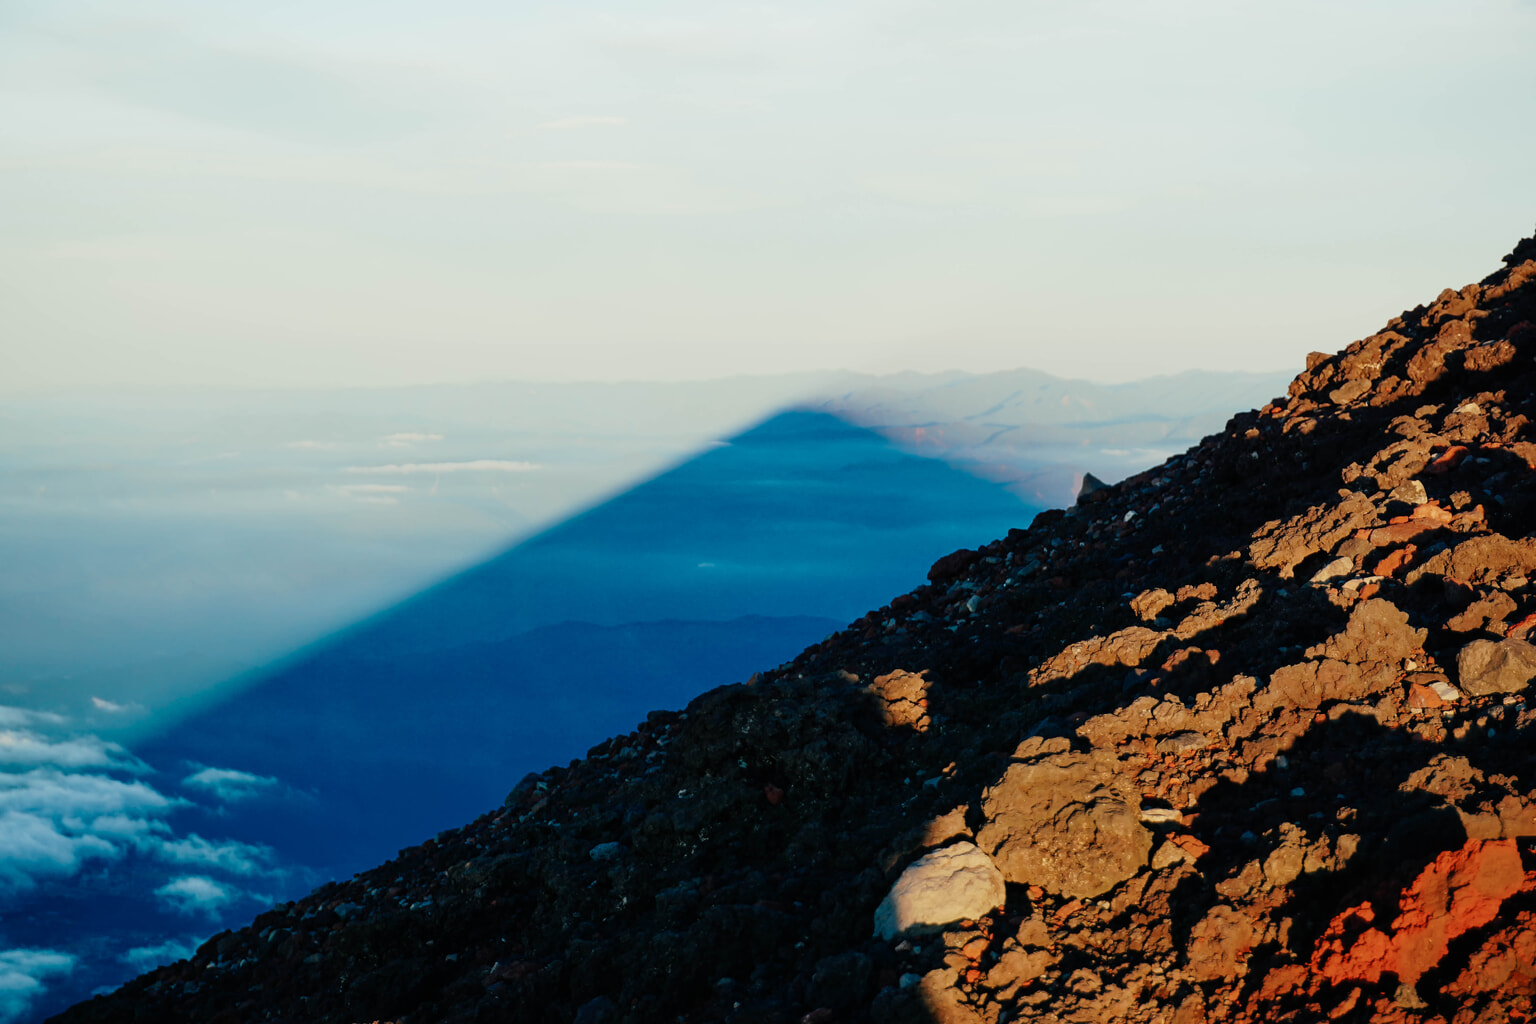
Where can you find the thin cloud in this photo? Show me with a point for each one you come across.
(111, 707)
(476, 466)
(319, 446)
(228, 785)
(13, 716)
(21, 978)
(53, 792)
(32, 748)
(562, 123)
(405, 440)
(147, 958)
(231, 856)
(197, 894)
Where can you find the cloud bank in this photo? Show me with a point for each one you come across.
(81, 811)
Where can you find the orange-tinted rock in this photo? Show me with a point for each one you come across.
(903, 699)
(1459, 891)
(1398, 533)
(1502, 666)
(1283, 545)
(1481, 560)
(1494, 607)
(1505, 960)
(1066, 822)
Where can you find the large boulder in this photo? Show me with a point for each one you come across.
(1496, 666)
(1067, 822)
(957, 883)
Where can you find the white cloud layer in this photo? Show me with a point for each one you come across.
(72, 802)
(33, 847)
(21, 978)
(475, 466)
(53, 822)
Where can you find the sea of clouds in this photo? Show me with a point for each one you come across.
(83, 811)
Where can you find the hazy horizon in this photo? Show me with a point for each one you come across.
(135, 393)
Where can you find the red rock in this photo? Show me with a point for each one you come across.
(1190, 845)
(1459, 891)
(1431, 511)
(1447, 460)
(1394, 561)
(1398, 532)
(1422, 698)
(1506, 959)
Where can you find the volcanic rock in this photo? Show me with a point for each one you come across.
(1506, 666)
(1068, 823)
(957, 883)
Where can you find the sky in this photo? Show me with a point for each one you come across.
(347, 193)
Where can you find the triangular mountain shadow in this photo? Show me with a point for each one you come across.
(425, 715)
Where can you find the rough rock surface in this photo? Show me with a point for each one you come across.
(1068, 823)
(1489, 666)
(957, 883)
(1240, 755)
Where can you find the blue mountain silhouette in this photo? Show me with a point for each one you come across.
(423, 716)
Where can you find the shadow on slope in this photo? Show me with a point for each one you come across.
(423, 716)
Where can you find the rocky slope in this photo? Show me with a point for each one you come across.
(1243, 738)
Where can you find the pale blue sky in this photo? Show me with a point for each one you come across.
(337, 192)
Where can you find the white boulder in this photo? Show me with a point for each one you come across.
(957, 883)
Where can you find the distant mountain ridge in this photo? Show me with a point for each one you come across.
(1038, 433)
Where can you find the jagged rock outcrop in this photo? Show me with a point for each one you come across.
(1247, 735)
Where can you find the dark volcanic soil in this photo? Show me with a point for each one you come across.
(1243, 738)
